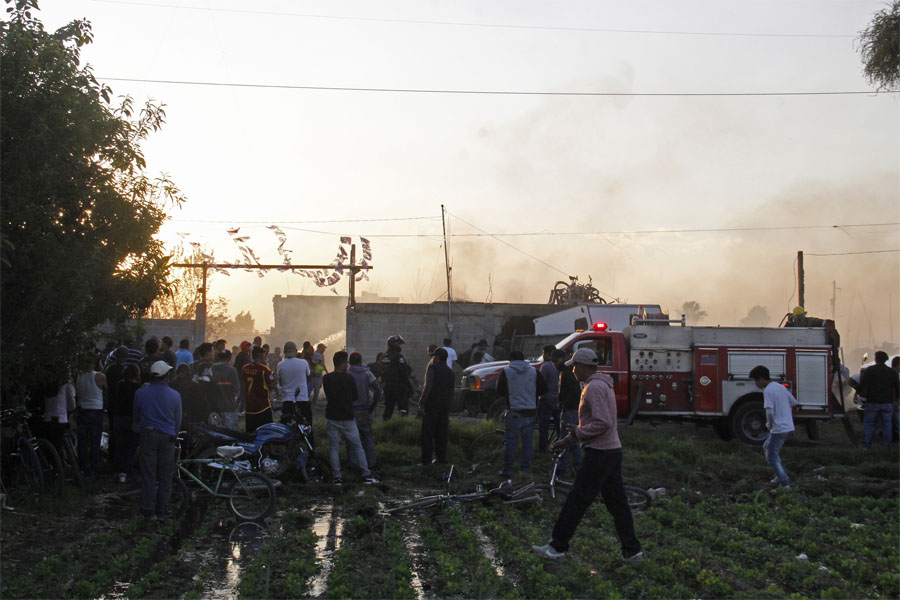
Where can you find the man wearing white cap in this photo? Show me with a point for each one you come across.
(601, 467)
(157, 418)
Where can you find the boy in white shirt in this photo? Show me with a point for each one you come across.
(778, 402)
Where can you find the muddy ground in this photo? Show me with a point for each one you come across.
(720, 530)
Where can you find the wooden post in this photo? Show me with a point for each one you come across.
(801, 286)
(351, 301)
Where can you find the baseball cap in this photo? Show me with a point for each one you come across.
(290, 349)
(584, 356)
(160, 368)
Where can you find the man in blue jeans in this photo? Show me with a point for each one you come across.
(157, 418)
(880, 385)
(778, 402)
(521, 384)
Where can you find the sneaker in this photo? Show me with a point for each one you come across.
(121, 477)
(548, 551)
(774, 480)
(337, 481)
(636, 557)
(369, 480)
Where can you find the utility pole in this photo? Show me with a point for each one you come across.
(834, 289)
(801, 286)
(447, 267)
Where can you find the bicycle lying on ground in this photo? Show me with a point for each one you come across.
(503, 494)
(638, 498)
(250, 495)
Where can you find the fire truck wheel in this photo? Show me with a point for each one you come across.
(748, 422)
(812, 430)
(723, 429)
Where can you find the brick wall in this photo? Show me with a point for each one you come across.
(370, 325)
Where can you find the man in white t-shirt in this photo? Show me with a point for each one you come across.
(451, 353)
(778, 402)
(290, 378)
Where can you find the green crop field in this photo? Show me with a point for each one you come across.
(721, 530)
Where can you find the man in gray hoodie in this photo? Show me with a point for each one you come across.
(521, 384)
(368, 395)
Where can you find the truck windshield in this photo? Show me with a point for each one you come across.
(563, 343)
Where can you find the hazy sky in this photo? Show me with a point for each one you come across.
(527, 163)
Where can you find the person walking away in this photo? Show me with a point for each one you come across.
(548, 408)
(206, 390)
(880, 385)
(89, 389)
(340, 391)
(59, 403)
(259, 380)
(601, 469)
(777, 401)
(123, 409)
(452, 358)
(151, 355)
(521, 385)
(395, 373)
(291, 377)
(184, 356)
(192, 408)
(114, 374)
(368, 394)
(241, 360)
(568, 400)
(437, 394)
(228, 387)
(318, 371)
(274, 358)
(165, 350)
(157, 418)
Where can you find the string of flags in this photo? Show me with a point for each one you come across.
(323, 278)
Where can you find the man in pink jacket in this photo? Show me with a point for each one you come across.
(601, 467)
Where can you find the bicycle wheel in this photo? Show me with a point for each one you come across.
(638, 498)
(51, 467)
(558, 492)
(252, 496)
(29, 477)
(315, 470)
(180, 498)
(420, 504)
(487, 446)
(70, 462)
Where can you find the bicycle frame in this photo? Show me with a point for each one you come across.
(226, 465)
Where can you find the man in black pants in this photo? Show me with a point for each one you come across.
(601, 468)
(436, 397)
(395, 372)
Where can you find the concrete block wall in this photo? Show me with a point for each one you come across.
(370, 325)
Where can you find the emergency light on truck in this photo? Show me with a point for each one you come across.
(599, 326)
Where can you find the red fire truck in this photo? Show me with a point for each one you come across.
(666, 371)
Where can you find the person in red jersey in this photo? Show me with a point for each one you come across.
(258, 380)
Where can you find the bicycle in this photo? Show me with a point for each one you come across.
(250, 495)
(34, 462)
(558, 489)
(489, 445)
(504, 493)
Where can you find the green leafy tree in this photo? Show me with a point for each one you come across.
(692, 312)
(79, 210)
(879, 46)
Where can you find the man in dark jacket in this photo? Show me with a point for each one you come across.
(521, 384)
(880, 385)
(436, 397)
(569, 397)
(395, 373)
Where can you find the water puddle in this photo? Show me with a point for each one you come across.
(416, 550)
(328, 527)
(490, 552)
(231, 549)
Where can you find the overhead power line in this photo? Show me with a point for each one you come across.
(485, 25)
(279, 221)
(849, 253)
(484, 92)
